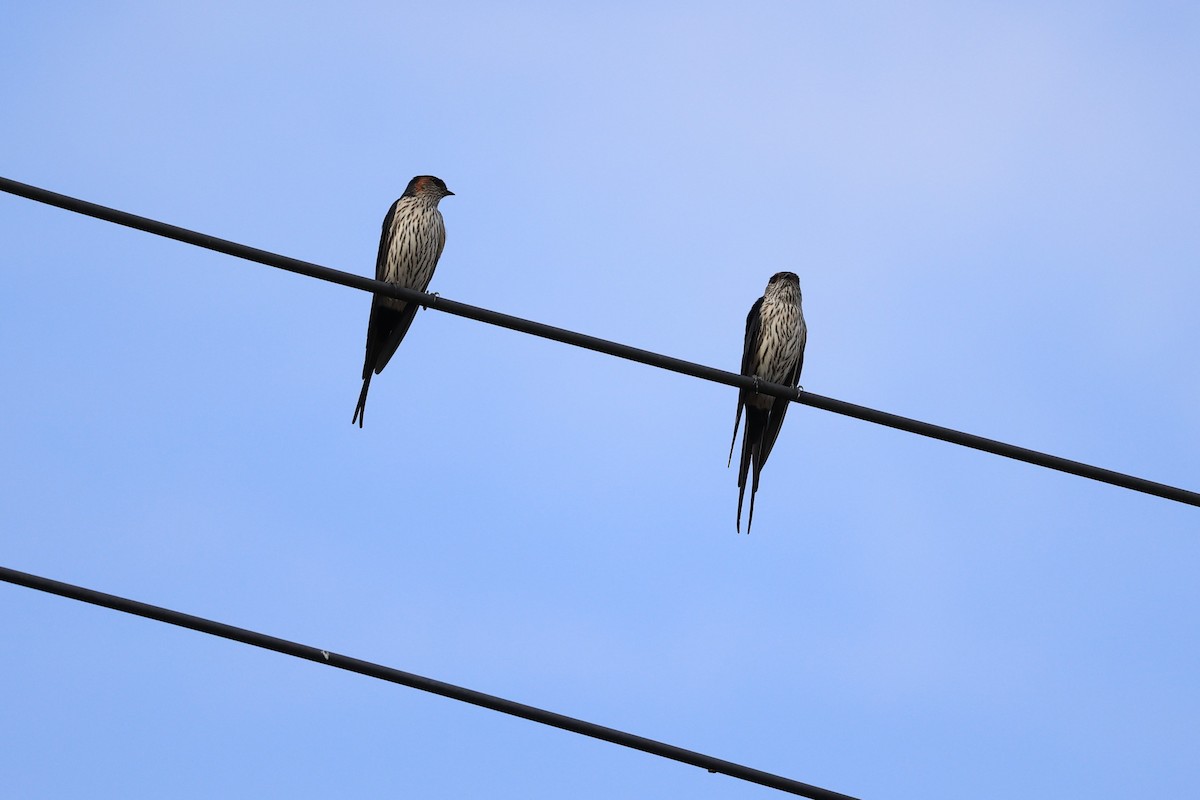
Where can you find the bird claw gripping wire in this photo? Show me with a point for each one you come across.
(757, 384)
(432, 302)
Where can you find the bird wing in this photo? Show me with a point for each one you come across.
(395, 326)
(753, 331)
(753, 328)
(385, 242)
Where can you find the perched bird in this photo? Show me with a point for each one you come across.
(409, 248)
(773, 352)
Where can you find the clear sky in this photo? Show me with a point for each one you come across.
(993, 211)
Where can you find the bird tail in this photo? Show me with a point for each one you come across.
(753, 492)
(737, 421)
(361, 408)
(756, 421)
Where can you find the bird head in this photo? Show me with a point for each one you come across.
(783, 285)
(427, 186)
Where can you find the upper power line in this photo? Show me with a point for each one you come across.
(418, 682)
(602, 345)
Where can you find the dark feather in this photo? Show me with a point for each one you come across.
(385, 239)
(750, 344)
(360, 410)
(394, 326)
(753, 330)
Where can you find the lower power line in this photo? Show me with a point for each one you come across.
(418, 682)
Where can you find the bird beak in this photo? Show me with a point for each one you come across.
(448, 192)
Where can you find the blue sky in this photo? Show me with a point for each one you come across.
(992, 208)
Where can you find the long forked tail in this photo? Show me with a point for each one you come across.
(737, 421)
(741, 496)
(752, 442)
(361, 408)
(753, 492)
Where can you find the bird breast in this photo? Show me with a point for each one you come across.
(417, 238)
(780, 340)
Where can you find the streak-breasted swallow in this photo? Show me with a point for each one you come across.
(773, 352)
(409, 247)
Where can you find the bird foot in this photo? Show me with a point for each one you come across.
(432, 302)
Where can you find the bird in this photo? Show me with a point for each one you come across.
(773, 352)
(409, 248)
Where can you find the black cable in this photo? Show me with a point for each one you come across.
(602, 345)
(418, 682)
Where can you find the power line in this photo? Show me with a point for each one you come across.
(602, 345)
(451, 691)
